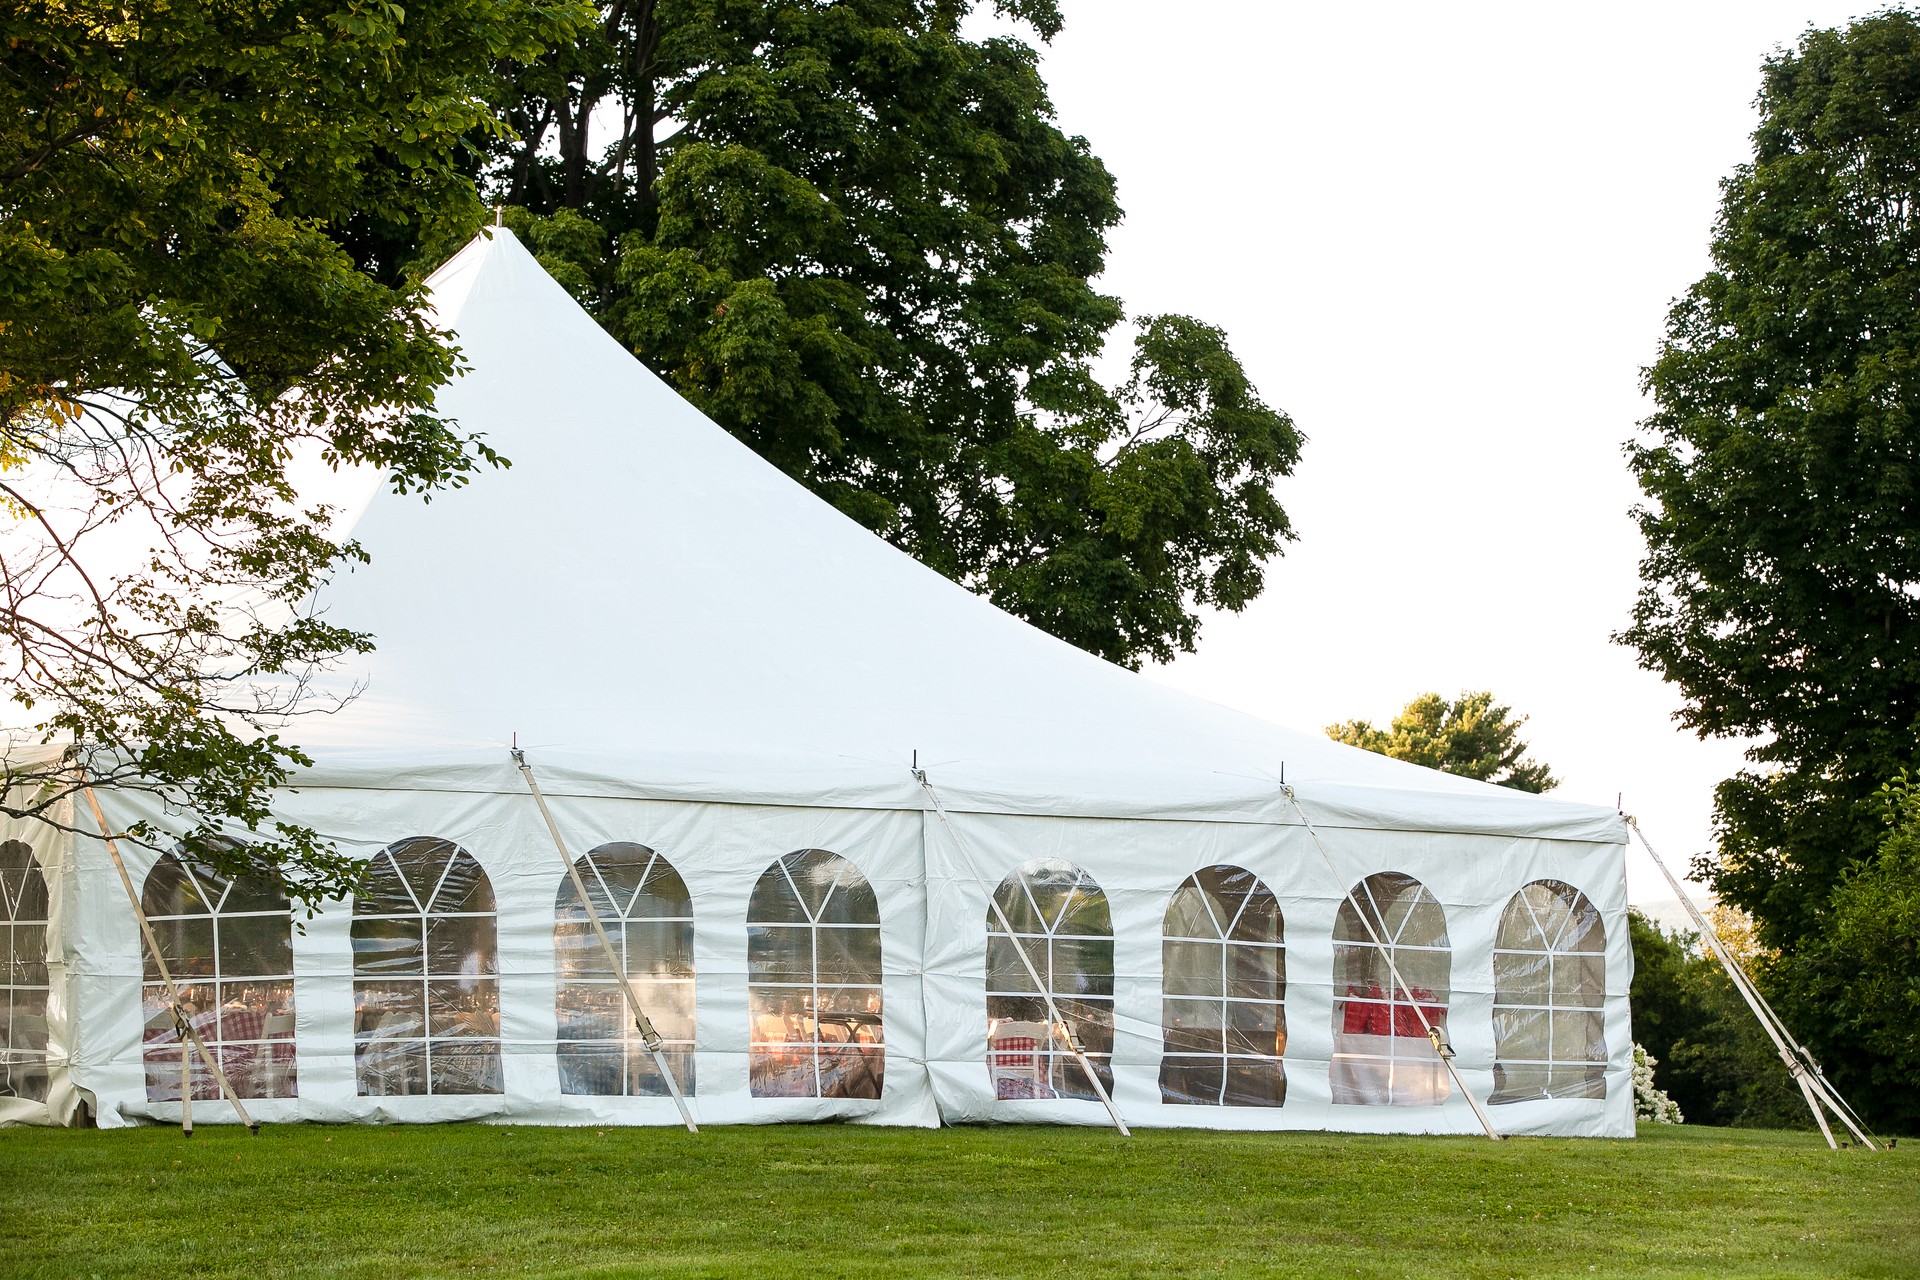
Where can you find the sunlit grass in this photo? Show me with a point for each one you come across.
(844, 1201)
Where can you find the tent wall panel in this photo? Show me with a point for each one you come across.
(1140, 864)
(933, 907)
(720, 850)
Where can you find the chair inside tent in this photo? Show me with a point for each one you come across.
(859, 845)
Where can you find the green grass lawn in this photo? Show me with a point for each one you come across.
(842, 1201)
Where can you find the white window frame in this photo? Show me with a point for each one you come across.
(1593, 1070)
(1058, 1058)
(1226, 944)
(18, 1065)
(425, 915)
(872, 1055)
(161, 1063)
(1404, 1055)
(629, 1043)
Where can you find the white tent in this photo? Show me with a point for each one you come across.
(724, 687)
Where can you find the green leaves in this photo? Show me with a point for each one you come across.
(1470, 736)
(1714, 1059)
(193, 200)
(1854, 976)
(1133, 504)
(1874, 937)
(863, 245)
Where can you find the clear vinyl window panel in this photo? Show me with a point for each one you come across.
(1550, 992)
(1223, 965)
(426, 998)
(1062, 925)
(1381, 1053)
(23, 945)
(644, 906)
(814, 981)
(229, 946)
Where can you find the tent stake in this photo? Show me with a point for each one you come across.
(1441, 1048)
(188, 1036)
(1800, 1064)
(648, 1036)
(1054, 1016)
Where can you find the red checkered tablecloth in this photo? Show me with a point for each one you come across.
(229, 1033)
(236, 1024)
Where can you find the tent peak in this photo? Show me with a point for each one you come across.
(492, 250)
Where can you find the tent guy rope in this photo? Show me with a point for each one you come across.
(182, 1023)
(1440, 1046)
(1800, 1064)
(648, 1035)
(1054, 1016)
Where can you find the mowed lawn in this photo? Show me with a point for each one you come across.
(845, 1201)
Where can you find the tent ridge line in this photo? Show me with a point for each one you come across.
(905, 807)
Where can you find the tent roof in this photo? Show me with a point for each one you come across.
(655, 610)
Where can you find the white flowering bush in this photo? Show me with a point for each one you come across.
(1650, 1101)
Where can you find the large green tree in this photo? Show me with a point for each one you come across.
(186, 307)
(1472, 736)
(1781, 467)
(858, 239)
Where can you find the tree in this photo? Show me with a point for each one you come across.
(1712, 1057)
(1781, 468)
(180, 319)
(1469, 736)
(1875, 936)
(1861, 963)
(857, 239)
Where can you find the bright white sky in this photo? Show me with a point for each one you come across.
(1442, 237)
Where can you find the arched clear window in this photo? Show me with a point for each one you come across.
(425, 999)
(1061, 921)
(23, 1020)
(1550, 986)
(644, 906)
(813, 981)
(229, 946)
(1222, 964)
(1381, 1053)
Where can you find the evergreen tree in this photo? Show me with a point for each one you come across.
(1471, 736)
